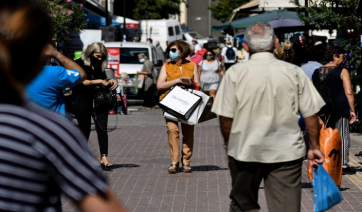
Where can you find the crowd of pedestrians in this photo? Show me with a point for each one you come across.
(259, 103)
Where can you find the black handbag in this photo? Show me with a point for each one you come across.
(105, 97)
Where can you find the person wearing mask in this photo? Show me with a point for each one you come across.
(44, 145)
(196, 45)
(228, 55)
(257, 102)
(149, 82)
(47, 89)
(342, 114)
(94, 62)
(178, 71)
(149, 40)
(210, 70)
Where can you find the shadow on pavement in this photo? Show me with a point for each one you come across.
(116, 166)
(207, 168)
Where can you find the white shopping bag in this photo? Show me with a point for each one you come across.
(180, 103)
(193, 119)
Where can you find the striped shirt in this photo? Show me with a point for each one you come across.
(41, 155)
(310, 67)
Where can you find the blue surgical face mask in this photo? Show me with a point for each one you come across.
(173, 55)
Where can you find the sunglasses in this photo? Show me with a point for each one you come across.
(209, 54)
(173, 50)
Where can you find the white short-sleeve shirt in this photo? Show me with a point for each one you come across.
(264, 97)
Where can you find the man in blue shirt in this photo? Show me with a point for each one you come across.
(314, 55)
(47, 88)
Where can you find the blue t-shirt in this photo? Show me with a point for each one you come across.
(47, 88)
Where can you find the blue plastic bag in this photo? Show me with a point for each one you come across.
(325, 191)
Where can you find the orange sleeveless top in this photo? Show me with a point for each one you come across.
(173, 72)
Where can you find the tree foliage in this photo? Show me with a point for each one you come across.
(223, 9)
(67, 16)
(156, 9)
(331, 14)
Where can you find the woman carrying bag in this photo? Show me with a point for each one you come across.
(93, 62)
(342, 113)
(178, 71)
(209, 70)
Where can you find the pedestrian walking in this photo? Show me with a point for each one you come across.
(196, 45)
(341, 113)
(285, 52)
(178, 71)
(228, 55)
(42, 153)
(93, 61)
(210, 71)
(258, 103)
(47, 89)
(149, 81)
(314, 56)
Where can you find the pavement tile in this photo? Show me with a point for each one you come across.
(139, 150)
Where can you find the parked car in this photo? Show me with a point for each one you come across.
(123, 58)
(211, 42)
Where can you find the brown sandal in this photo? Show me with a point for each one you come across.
(173, 168)
(187, 168)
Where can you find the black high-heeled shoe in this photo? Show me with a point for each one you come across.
(104, 165)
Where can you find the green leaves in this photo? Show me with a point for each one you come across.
(223, 9)
(67, 16)
(157, 9)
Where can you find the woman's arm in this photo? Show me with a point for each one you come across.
(199, 69)
(196, 76)
(162, 83)
(95, 82)
(347, 86)
(221, 70)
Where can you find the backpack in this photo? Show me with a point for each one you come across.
(326, 94)
(230, 54)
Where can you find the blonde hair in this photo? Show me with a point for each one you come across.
(95, 47)
(284, 52)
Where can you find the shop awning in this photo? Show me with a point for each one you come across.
(267, 16)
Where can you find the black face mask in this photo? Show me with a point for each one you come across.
(96, 62)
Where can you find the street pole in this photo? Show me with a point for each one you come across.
(107, 15)
(124, 20)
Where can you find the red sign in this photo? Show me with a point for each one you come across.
(114, 51)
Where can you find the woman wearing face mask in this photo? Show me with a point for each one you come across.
(148, 83)
(178, 71)
(209, 70)
(93, 62)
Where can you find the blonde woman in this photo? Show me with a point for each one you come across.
(93, 62)
(285, 52)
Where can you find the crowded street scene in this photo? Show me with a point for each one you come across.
(180, 105)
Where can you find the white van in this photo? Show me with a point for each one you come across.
(164, 31)
(123, 57)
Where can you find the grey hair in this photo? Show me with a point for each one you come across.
(260, 37)
(143, 56)
(95, 47)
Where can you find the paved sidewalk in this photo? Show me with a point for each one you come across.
(139, 150)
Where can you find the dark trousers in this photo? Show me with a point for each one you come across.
(148, 97)
(83, 112)
(227, 65)
(282, 184)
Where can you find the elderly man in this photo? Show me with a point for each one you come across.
(259, 103)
